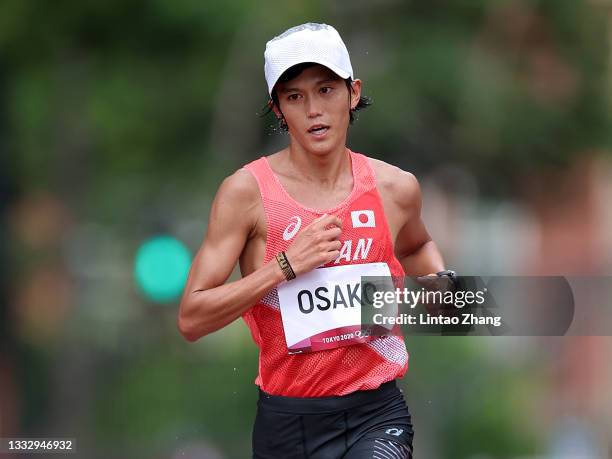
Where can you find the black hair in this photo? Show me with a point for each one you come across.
(294, 71)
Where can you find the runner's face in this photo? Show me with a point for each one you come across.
(316, 107)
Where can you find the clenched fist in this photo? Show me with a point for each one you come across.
(316, 244)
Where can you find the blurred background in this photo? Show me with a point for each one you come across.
(120, 118)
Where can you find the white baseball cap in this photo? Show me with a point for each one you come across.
(310, 42)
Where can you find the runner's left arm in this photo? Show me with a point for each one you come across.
(414, 248)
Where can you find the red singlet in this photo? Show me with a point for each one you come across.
(342, 370)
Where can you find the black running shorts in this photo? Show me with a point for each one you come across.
(364, 424)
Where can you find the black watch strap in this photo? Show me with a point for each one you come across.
(447, 273)
(452, 275)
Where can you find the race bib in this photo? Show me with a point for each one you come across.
(322, 308)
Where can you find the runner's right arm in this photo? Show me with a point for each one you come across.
(209, 304)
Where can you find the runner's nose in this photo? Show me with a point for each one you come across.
(313, 107)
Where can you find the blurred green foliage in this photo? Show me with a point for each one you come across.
(132, 87)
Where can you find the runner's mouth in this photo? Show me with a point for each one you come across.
(318, 129)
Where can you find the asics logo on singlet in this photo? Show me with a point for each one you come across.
(394, 431)
(363, 219)
(292, 228)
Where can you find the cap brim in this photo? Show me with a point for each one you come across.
(338, 71)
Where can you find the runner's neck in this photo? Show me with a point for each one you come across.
(325, 171)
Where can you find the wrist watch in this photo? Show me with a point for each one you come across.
(452, 275)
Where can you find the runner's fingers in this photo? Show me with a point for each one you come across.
(333, 220)
(335, 246)
(331, 234)
(326, 220)
(319, 221)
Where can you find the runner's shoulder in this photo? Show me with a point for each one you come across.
(239, 191)
(402, 185)
(240, 184)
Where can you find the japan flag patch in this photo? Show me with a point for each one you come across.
(363, 219)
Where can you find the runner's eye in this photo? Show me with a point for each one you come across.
(326, 90)
(293, 96)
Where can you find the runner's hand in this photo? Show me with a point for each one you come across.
(316, 244)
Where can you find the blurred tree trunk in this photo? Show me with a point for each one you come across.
(567, 209)
(235, 128)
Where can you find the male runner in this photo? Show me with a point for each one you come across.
(315, 204)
